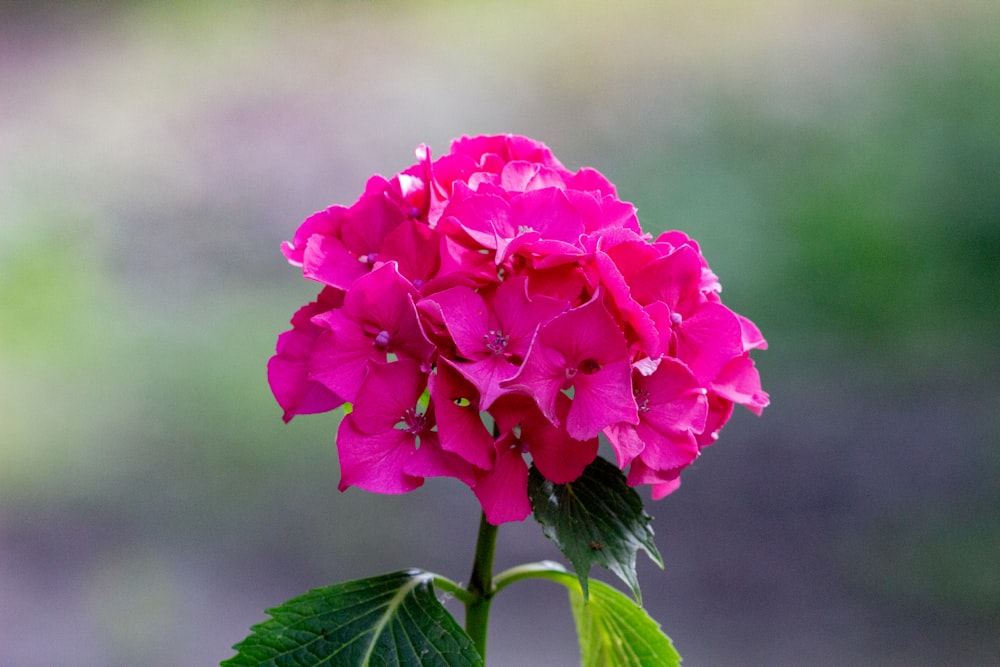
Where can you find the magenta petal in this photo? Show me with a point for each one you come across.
(456, 411)
(487, 374)
(340, 360)
(549, 212)
(592, 180)
(503, 491)
(628, 308)
(602, 399)
(519, 316)
(481, 217)
(739, 382)
(673, 279)
(375, 462)
(708, 339)
(559, 457)
(465, 317)
(462, 265)
(673, 401)
(430, 460)
(667, 450)
(719, 412)
(542, 377)
(370, 220)
(322, 223)
(288, 370)
(378, 318)
(664, 489)
(295, 393)
(752, 337)
(625, 441)
(415, 247)
(510, 410)
(383, 299)
(388, 391)
(326, 260)
(640, 473)
(583, 348)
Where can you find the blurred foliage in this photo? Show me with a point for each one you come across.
(872, 223)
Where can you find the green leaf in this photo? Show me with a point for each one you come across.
(393, 620)
(596, 519)
(615, 632)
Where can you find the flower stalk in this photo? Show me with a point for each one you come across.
(480, 588)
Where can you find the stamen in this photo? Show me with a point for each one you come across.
(382, 339)
(414, 421)
(496, 341)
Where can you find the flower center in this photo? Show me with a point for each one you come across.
(642, 400)
(675, 318)
(414, 422)
(496, 341)
(382, 339)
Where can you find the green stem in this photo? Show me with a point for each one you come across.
(449, 586)
(545, 569)
(480, 588)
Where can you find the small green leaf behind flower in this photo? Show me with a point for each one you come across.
(596, 519)
(392, 620)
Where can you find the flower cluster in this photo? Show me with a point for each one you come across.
(491, 304)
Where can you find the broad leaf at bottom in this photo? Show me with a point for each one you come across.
(393, 620)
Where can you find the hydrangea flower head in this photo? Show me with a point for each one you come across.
(490, 307)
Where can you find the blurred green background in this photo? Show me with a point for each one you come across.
(838, 162)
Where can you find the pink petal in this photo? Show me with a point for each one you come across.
(503, 491)
(375, 462)
(326, 260)
(415, 248)
(708, 339)
(288, 369)
(584, 348)
(322, 223)
(625, 441)
(456, 411)
(559, 457)
(465, 317)
(430, 460)
(602, 399)
(739, 382)
(388, 391)
(341, 356)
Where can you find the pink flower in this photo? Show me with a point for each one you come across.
(583, 349)
(378, 319)
(672, 411)
(456, 409)
(503, 489)
(489, 307)
(387, 444)
(288, 370)
(492, 339)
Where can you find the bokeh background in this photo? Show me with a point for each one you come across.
(838, 161)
